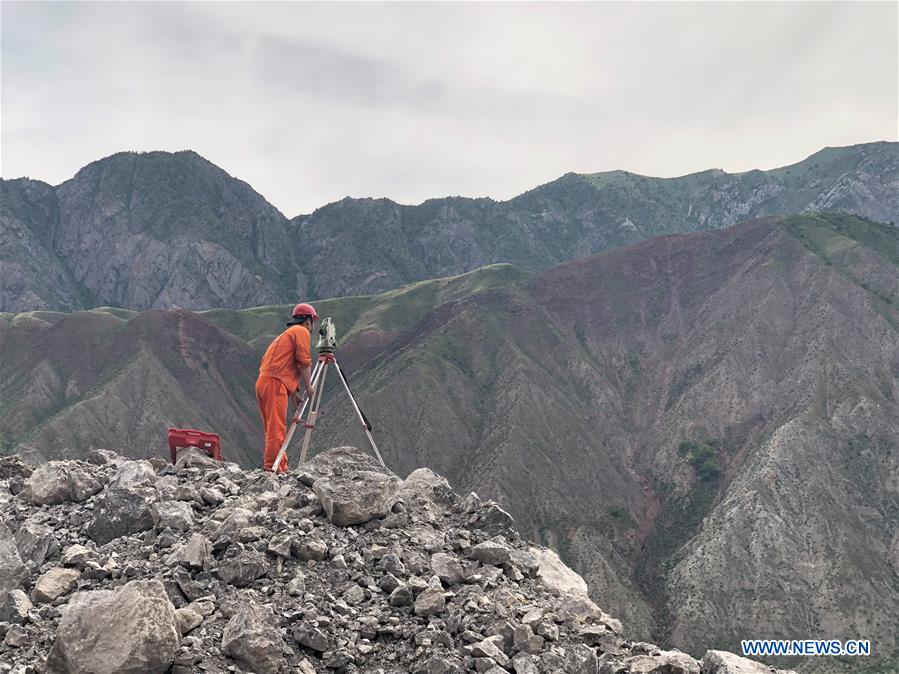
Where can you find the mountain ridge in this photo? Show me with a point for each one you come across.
(172, 230)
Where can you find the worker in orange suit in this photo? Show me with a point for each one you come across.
(287, 362)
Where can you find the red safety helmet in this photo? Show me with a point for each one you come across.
(303, 309)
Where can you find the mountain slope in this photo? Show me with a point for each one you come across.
(32, 276)
(704, 425)
(161, 230)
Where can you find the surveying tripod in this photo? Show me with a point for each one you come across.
(326, 358)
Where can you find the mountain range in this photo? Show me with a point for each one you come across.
(172, 230)
(705, 425)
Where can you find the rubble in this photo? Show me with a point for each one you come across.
(137, 566)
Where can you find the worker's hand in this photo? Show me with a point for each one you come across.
(310, 391)
(297, 398)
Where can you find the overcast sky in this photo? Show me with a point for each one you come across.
(313, 102)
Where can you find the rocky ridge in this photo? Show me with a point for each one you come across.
(113, 565)
(172, 230)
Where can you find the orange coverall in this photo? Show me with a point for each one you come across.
(279, 376)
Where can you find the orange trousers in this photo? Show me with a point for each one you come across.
(272, 394)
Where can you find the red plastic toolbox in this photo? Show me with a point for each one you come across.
(188, 437)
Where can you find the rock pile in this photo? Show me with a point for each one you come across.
(113, 565)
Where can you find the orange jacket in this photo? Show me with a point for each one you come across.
(284, 357)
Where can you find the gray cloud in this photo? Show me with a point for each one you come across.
(310, 102)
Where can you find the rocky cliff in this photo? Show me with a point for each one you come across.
(161, 230)
(113, 565)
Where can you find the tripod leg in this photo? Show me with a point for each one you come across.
(313, 413)
(365, 425)
(295, 420)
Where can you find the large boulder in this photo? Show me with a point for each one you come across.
(243, 568)
(723, 662)
(35, 542)
(356, 498)
(191, 457)
(425, 486)
(196, 553)
(12, 570)
(494, 551)
(339, 461)
(555, 575)
(131, 630)
(432, 600)
(447, 568)
(175, 515)
(253, 639)
(59, 482)
(14, 607)
(565, 583)
(134, 474)
(665, 662)
(55, 583)
(120, 512)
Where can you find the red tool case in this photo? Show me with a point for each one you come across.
(188, 437)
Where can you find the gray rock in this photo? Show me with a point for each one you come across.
(402, 596)
(388, 583)
(310, 636)
(581, 659)
(339, 461)
(58, 482)
(495, 551)
(196, 553)
(120, 512)
(14, 607)
(280, 546)
(134, 474)
(489, 648)
(176, 515)
(35, 542)
(55, 583)
(297, 585)
(425, 486)
(79, 556)
(525, 641)
(579, 607)
(354, 595)
(526, 562)
(253, 639)
(723, 662)
(471, 503)
(337, 659)
(431, 600)
(190, 457)
(493, 519)
(447, 568)
(129, 630)
(12, 570)
(188, 619)
(356, 498)
(666, 662)
(310, 548)
(16, 637)
(523, 663)
(242, 569)
(14, 467)
(440, 664)
(391, 564)
(229, 530)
